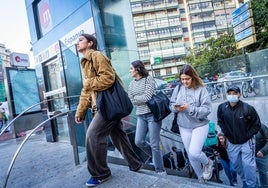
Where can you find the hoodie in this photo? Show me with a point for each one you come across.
(199, 106)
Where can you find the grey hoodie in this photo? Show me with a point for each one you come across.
(199, 106)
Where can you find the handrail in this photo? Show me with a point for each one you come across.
(24, 141)
(27, 109)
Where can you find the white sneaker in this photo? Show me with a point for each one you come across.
(208, 170)
(201, 180)
(164, 173)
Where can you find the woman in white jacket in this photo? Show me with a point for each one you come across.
(193, 105)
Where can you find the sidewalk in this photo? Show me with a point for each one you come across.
(41, 164)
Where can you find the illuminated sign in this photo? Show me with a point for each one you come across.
(19, 60)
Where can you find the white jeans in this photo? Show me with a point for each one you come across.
(193, 140)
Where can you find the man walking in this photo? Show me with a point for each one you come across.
(239, 122)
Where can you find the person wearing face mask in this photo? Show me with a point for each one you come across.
(239, 122)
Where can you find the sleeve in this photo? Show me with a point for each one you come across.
(84, 104)
(173, 99)
(105, 74)
(264, 150)
(145, 96)
(220, 118)
(202, 111)
(254, 123)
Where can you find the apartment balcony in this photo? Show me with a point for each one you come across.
(142, 39)
(207, 9)
(174, 14)
(134, 1)
(193, 2)
(138, 18)
(153, 8)
(177, 34)
(199, 39)
(219, 7)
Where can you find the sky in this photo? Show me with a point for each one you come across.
(14, 30)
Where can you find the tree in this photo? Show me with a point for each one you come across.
(205, 58)
(260, 11)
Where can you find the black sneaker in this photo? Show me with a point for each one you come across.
(137, 169)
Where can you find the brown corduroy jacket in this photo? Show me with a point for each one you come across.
(98, 75)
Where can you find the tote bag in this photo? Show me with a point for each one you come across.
(114, 102)
(159, 106)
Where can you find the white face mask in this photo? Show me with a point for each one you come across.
(232, 98)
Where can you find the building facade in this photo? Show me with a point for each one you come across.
(167, 29)
(4, 62)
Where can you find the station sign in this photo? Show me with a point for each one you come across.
(19, 60)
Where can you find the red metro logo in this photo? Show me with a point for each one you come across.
(17, 59)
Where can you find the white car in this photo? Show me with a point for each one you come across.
(231, 76)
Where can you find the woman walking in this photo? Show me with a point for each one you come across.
(193, 105)
(99, 75)
(141, 90)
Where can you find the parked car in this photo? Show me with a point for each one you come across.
(173, 83)
(231, 76)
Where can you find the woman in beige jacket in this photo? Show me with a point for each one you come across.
(99, 75)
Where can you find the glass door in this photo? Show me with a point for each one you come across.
(56, 90)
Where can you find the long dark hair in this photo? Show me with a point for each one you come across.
(91, 38)
(190, 71)
(139, 66)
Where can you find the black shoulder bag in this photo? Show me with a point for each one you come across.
(159, 106)
(175, 126)
(113, 103)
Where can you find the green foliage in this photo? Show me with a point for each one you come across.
(260, 11)
(205, 58)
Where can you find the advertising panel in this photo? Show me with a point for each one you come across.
(23, 90)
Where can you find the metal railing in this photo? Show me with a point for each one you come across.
(28, 136)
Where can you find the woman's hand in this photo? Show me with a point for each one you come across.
(259, 154)
(78, 120)
(181, 108)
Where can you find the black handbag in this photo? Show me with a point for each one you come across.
(114, 102)
(175, 126)
(159, 106)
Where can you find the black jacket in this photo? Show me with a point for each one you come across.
(239, 123)
(262, 140)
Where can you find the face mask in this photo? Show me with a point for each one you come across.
(232, 98)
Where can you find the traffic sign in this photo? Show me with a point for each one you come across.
(241, 9)
(240, 27)
(246, 15)
(244, 34)
(246, 42)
